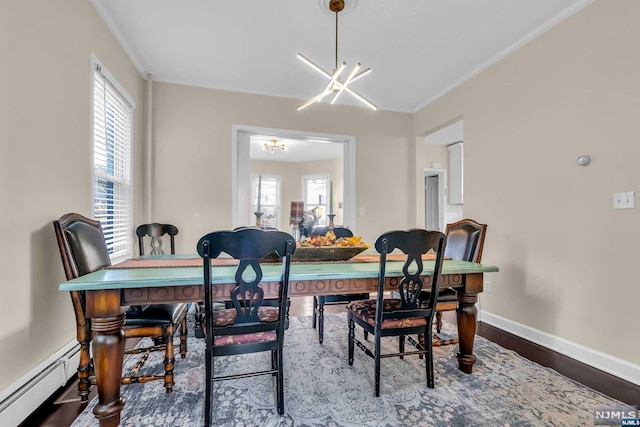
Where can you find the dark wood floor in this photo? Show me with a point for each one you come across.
(62, 409)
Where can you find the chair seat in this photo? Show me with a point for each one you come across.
(223, 340)
(228, 316)
(156, 314)
(366, 311)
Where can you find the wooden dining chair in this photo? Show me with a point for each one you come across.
(465, 241)
(400, 317)
(249, 326)
(320, 301)
(84, 250)
(155, 233)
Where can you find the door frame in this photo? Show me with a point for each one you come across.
(240, 167)
(442, 193)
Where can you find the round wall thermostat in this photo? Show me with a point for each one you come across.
(584, 160)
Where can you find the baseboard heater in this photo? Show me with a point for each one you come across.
(24, 396)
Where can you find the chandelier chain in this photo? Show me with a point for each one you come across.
(336, 40)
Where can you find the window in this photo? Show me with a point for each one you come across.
(269, 200)
(112, 194)
(315, 189)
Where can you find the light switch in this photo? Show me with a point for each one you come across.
(361, 211)
(626, 200)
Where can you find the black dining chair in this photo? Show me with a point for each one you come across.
(154, 233)
(84, 250)
(249, 326)
(320, 301)
(400, 317)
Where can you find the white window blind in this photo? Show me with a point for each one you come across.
(112, 201)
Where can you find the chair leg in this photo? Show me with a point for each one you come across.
(274, 361)
(438, 321)
(421, 341)
(315, 307)
(429, 359)
(377, 365)
(84, 372)
(401, 346)
(352, 335)
(183, 337)
(169, 358)
(321, 320)
(280, 379)
(208, 387)
(199, 328)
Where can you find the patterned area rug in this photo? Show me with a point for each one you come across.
(321, 389)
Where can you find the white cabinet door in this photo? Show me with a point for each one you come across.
(455, 173)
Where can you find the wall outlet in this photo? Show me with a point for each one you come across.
(487, 285)
(626, 200)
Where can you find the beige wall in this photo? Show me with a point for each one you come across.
(291, 182)
(567, 259)
(193, 156)
(45, 166)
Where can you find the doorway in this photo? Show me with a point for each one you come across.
(434, 198)
(241, 157)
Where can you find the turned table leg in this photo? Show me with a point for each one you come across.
(466, 315)
(108, 351)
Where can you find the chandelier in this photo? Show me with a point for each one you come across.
(336, 85)
(273, 146)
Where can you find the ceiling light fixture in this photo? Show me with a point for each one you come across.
(336, 86)
(273, 146)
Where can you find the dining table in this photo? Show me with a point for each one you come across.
(179, 278)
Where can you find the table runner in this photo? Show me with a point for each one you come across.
(218, 262)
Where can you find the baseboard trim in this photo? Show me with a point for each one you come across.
(26, 394)
(613, 365)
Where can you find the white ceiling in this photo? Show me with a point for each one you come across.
(418, 49)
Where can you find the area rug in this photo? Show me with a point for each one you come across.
(321, 389)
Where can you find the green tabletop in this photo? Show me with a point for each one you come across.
(180, 276)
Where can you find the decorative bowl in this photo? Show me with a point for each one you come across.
(326, 253)
(321, 253)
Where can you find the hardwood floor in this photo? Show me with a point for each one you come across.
(63, 408)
